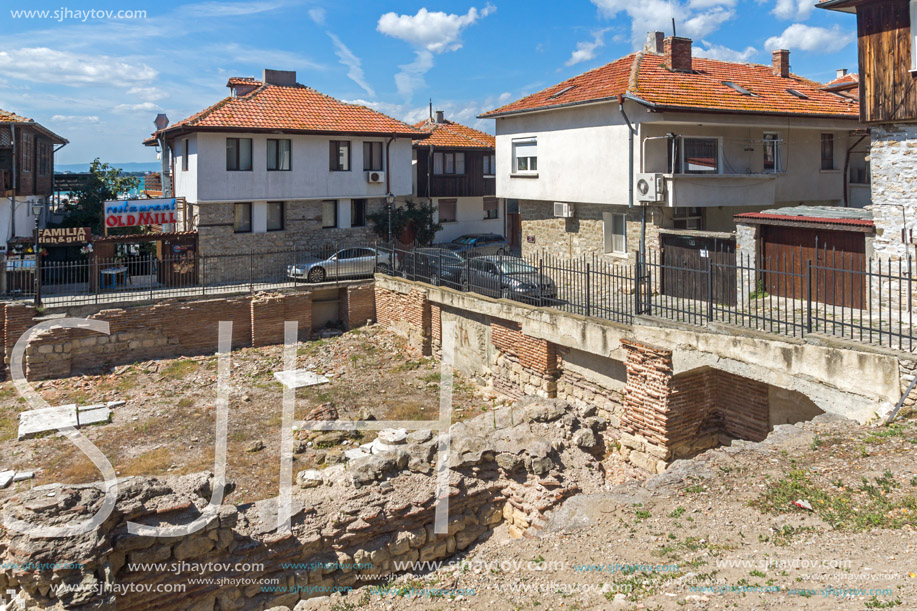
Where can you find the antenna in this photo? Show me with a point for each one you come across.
(431, 109)
(673, 27)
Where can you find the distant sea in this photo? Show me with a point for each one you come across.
(130, 166)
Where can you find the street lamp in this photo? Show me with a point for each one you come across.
(36, 212)
(390, 202)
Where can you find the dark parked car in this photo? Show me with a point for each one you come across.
(433, 265)
(508, 278)
(479, 244)
(346, 263)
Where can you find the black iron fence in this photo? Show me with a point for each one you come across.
(791, 296)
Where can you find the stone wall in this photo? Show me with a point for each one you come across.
(408, 314)
(584, 233)
(302, 232)
(893, 166)
(171, 328)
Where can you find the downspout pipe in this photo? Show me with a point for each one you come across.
(641, 253)
(15, 185)
(165, 166)
(388, 177)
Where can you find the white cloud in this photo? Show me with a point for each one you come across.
(809, 38)
(142, 107)
(44, 65)
(798, 10)
(429, 33)
(586, 49)
(694, 18)
(150, 94)
(76, 118)
(712, 51)
(353, 63)
(460, 112)
(317, 15)
(232, 9)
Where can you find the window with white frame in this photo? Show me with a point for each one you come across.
(490, 165)
(448, 163)
(914, 35)
(700, 155)
(615, 232)
(772, 152)
(525, 156)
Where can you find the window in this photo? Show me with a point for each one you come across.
(827, 151)
(701, 156)
(525, 156)
(490, 208)
(447, 210)
(490, 165)
(26, 153)
(358, 213)
(329, 214)
(278, 155)
(772, 152)
(739, 88)
(913, 34)
(242, 218)
(615, 232)
(239, 154)
(372, 156)
(448, 163)
(275, 216)
(340, 156)
(44, 158)
(688, 218)
(184, 155)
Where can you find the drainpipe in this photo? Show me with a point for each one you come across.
(847, 169)
(630, 200)
(165, 167)
(15, 184)
(388, 177)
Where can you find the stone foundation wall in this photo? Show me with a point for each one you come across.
(407, 314)
(169, 329)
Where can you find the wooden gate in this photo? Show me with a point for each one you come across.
(686, 261)
(838, 258)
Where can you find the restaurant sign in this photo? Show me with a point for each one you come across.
(60, 236)
(135, 212)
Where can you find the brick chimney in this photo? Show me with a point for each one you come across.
(654, 43)
(782, 63)
(677, 52)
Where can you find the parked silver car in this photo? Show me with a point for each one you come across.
(347, 263)
(508, 278)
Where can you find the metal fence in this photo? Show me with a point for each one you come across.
(791, 296)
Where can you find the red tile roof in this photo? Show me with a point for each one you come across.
(291, 109)
(11, 117)
(764, 216)
(646, 77)
(455, 135)
(847, 79)
(242, 80)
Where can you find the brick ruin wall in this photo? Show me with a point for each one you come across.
(170, 329)
(660, 416)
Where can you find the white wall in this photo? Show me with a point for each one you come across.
(469, 213)
(207, 179)
(25, 222)
(582, 155)
(186, 181)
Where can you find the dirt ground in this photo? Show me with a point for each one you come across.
(726, 526)
(167, 425)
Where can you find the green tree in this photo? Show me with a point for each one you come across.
(105, 183)
(412, 221)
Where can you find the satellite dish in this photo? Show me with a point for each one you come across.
(162, 121)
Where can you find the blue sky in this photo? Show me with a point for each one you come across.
(100, 81)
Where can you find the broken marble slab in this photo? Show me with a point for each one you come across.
(36, 421)
(6, 478)
(300, 378)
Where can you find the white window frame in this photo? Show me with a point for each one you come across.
(615, 242)
(913, 35)
(531, 143)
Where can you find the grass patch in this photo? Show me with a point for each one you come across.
(864, 507)
(880, 435)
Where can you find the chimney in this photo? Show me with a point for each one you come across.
(440, 116)
(678, 53)
(282, 78)
(654, 43)
(782, 63)
(842, 72)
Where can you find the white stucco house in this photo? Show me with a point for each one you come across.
(689, 141)
(277, 165)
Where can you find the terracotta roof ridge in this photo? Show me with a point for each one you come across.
(633, 81)
(464, 135)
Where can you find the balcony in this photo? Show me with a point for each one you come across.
(721, 189)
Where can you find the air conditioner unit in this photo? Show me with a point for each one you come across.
(650, 188)
(375, 176)
(562, 210)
